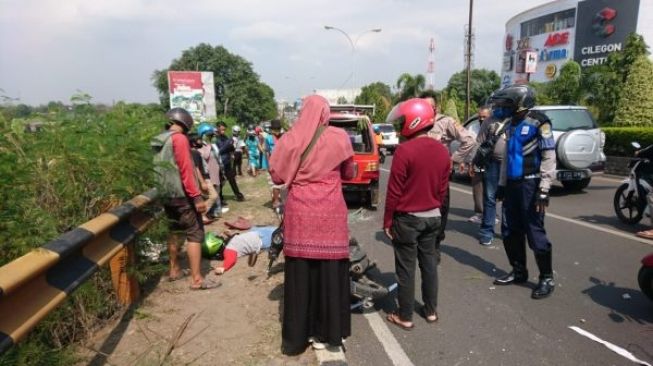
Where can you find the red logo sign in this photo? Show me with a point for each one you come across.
(509, 41)
(557, 39)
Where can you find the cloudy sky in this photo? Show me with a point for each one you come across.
(50, 48)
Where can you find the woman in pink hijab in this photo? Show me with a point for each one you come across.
(316, 235)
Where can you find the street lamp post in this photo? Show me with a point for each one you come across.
(353, 44)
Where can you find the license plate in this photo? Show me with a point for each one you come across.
(573, 175)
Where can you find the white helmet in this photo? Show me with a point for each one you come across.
(235, 129)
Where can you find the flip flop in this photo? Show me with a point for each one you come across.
(427, 317)
(182, 274)
(206, 285)
(396, 320)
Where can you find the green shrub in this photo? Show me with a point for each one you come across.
(79, 165)
(618, 139)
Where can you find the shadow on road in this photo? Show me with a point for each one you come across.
(624, 304)
(472, 260)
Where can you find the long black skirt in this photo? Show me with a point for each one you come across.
(316, 301)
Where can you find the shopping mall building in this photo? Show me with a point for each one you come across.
(540, 40)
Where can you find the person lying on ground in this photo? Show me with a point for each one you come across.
(248, 243)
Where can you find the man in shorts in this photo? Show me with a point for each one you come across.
(179, 190)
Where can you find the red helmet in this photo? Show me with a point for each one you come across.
(258, 130)
(413, 115)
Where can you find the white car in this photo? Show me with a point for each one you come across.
(579, 143)
(389, 135)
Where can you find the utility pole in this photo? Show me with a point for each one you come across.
(468, 59)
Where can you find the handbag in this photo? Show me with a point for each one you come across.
(486, 148)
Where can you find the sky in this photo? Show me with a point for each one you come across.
(109, 49)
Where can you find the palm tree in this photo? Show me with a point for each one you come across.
(410, 86)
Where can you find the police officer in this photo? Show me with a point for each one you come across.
(526, 174)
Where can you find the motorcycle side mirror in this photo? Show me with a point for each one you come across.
(636, 145)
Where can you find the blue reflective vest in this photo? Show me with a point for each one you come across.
(526, 141)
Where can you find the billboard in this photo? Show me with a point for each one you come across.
(602, 27)
(194, 91)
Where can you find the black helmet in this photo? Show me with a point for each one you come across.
(519, 97)
(181, 117)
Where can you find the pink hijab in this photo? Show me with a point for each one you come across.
(332, 148)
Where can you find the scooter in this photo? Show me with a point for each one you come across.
(364, 291)
(645, 276)
(630, 198)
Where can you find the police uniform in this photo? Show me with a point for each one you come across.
(527, 170)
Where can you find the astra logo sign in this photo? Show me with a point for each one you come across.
(602, 24)
(555, 39)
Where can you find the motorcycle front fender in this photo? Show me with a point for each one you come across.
(648, 260)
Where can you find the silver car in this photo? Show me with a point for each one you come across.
(579, 143)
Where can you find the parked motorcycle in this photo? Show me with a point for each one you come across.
(630, 198)
(364, 291)
(645, 276)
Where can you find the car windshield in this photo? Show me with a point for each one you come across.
(570, 119)
(386, 128)
(360, 138)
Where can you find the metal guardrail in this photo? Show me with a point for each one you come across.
(33, 285)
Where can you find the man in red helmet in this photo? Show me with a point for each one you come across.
(446, 130)
(418, 183)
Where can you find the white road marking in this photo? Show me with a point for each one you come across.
(390, 344)
(330, 355)
(579, 222)
(608, 179)
(618, 350)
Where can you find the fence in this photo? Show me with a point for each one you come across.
(33, 285)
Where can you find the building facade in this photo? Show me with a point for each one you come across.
(542, 39)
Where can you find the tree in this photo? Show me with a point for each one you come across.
(565, 89)
(410, 86)
(635, 107)
(483, 83)
(238, 90)
(378, 94)
(22, 111)
(603, 84)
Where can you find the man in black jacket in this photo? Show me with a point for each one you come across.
(225, 145)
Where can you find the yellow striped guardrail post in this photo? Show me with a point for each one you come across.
(33, 285)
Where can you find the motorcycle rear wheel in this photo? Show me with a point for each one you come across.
(645, 280)
(629, 208)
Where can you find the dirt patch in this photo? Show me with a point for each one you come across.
(238, 323)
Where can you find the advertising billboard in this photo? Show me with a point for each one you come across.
(602, 28)
(194, 91)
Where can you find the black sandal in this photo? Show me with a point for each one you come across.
(428, 317)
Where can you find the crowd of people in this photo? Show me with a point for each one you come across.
(511, 159)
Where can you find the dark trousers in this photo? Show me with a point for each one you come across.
(524, 223)
(227, 173)
(444, 211)
(238, 163)
(414, 241)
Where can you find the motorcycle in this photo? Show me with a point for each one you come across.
(630, 198)
(645, 276)
(364, 291)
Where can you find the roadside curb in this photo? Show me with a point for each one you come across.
(331, 356)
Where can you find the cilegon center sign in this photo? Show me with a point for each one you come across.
(602, 27)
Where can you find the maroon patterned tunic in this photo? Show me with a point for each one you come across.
(315, 222)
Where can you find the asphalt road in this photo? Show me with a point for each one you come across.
(595, 261)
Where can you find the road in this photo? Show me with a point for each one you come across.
(595, 260)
